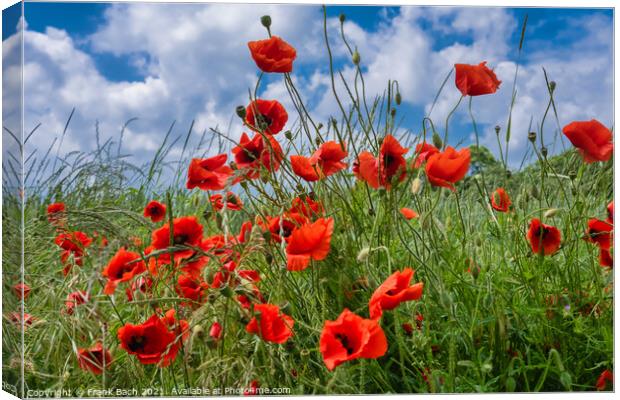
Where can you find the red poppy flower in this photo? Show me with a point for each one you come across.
(122, 268)
(155, 210)
(446, 168)
(408, 213)
(16, 318)
(187, 231)
(408, 328)
(273, 54)
(350, 337)
(73, 241)
(233, 202)
(310, 241)
(476, 80)
(543, 238)
(75, 299)
(245, 232)
(252, 155)
(306, 206)
(393, 291)
(599, 232)
(610, 212)
(95, 359)
(271, 116)
(605, 258)
(219, 246)
(604, 377)
(209, 173)
(55, 212)
(151, 342)
(591, 138)
(191, 288)
(500, 200)
(215, 332)
(21, 290)
(423, 151)
(281, 227)
(272, 325)
(141, 284)
(326, 161)
(382, 171)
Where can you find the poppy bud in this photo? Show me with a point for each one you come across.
(288, 135)
(226, 291)
(497, 129)
(478, 242)
(207, 214)
(342, 18)
(319, 126)
(290, 345)
(215, 332)
(572, 175)
(198, 331)
(268, 258)
(244, 184)
(393, 112)
(317, 140)
(266, 21)
(551, 213)
(543, 151)
(408, 328)
(508, 173)
(398, 98)
(416, 186)
(240, 110)
(531, 136)
(437, 142)
(371, 212)
(552, 85)
(363, 254)
(356, 57)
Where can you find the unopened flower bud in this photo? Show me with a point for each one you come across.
(437, 142)
(240, 110)
(393, 112)
(398, 98)
(226, 291)
(552, 85)
(356, 57)
(497, 129)
(198, 331)
(531, 136)
(215, 332)
(544, 151)
(288, 135)
(416, 186)
(572, 175)
(319, 126)
(342, 18)
(317, 140)
(266, 21)
(551, 212)
(363, 254)
(286, 308)
(508, 173)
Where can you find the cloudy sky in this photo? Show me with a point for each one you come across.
(181, 62)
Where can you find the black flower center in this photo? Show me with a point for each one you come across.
(180, 239)
(344, 341)
(136, 343)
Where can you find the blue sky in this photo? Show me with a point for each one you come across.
(162, 63)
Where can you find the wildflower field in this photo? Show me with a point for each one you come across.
(344, 256)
